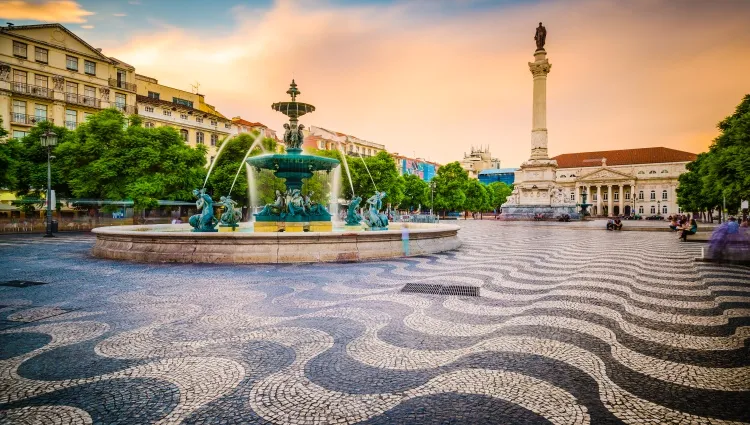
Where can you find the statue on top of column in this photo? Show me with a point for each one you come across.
(540, 36)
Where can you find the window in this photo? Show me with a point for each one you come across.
(664, 209)
(71, 119)
(653, 209)
(664, 171)
(148, 124)
(664, 195)
(89, 92)
(86, 115)
(227, 125)
(183, 102)
(184, 116)
(652, 172)
(120, 100)
(71, 87)
(19, 110)
(605, 195)
(641, 172)
(19, 76)
(71, 62)
(653, 195)
(184, 134)
(40, 80)
(42, 55)
(627, 196)
(616, 196)
(213, 122)
(199, 137)
(572, 175)
(149, 109)
(198, 119)
(214, 139)
(594, 196)
(19, 134)
(40, 112)
(563, 176)
(167, 113)
(19, 49)
(89, 67)
(153, 95)
(572, 196)
(640, 195)
(640, 209)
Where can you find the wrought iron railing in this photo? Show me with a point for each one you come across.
(32, 90)
(83, 100)
(28, 119)
(113, 82)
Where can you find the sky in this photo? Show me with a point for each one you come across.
(432, 78)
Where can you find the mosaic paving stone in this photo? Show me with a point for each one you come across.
(571, 327)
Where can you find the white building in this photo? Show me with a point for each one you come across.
(617, 182)
(479, 159)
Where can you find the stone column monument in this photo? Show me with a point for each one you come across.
(535, 191)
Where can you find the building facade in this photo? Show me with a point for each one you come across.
(321, 138)
(198, 122)
(622, 181)
(420, 167)
(47, 73)
(492, 175)
(479, 159)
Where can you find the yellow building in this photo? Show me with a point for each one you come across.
(321, 138)
(198, 122)
(47, 73)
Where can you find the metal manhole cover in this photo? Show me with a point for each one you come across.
(21, 283)
(427, 288)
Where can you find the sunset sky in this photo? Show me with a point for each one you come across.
(431, 78)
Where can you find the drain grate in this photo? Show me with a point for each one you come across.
(427, 288)
(21, 283)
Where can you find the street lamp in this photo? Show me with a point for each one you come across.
(658, 207)
(432, 196)
(49, 139)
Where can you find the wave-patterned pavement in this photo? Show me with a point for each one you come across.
(571, 327)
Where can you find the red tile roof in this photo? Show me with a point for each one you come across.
(248, 123)
(623, 157)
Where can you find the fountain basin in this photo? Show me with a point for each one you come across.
(176, 243)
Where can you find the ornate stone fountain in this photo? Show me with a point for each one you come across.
(293, 211)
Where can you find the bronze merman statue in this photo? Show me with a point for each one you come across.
(540, 36)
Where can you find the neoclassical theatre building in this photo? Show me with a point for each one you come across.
(618, 182)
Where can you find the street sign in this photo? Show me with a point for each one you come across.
(744, 205)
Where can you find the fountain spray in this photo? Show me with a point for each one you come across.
(368, 171)
(218, 154)
(346, 166)
(257, 142)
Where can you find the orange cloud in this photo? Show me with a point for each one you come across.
(64, 11)
(652, 75)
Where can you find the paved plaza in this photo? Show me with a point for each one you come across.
(571, 326)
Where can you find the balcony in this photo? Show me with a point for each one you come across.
(30, 90)
(119, 84)
(126, 109)
(25, 119)
(82, 100)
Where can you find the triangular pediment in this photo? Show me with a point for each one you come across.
(56, 35)
(605, 173)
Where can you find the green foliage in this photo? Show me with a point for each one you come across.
(7, 161)
(28, 177)
(450, 182)
(416, 192)
(477, 198)
(384, 174)
(724, 171)
(499, 193)
(102, 160)
(320, 185)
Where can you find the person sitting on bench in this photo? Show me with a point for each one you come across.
(610, 224)
(689, 231)
(617, 225)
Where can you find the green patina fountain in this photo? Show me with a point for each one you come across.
(293, 211)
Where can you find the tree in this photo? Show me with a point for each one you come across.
(8, 150)
(499, 193)
(28, 177)
(723, 173)
(450, 181)
(103, 160)
(477, 199)
(416, 192)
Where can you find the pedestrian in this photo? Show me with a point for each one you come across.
(405, 238)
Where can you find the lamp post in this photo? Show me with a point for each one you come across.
(658, 208)
(432, 196)
(49, 139)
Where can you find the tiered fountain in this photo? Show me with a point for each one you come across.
(293, 229)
